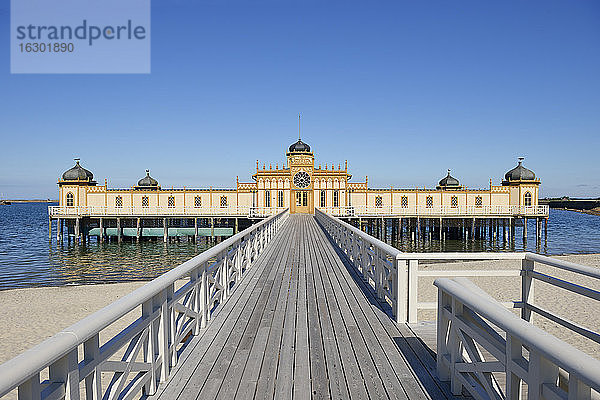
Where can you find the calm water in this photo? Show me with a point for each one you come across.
(28, 259)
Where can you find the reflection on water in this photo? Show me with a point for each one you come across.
(27, 258)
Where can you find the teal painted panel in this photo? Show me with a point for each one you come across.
(159, 232)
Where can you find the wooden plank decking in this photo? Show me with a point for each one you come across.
(302, 324)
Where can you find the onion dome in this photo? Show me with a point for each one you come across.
(449, 181)
(520, 173)
(78, 173)
(147, 181)
(299, 146)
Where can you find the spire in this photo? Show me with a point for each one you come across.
(298, 126)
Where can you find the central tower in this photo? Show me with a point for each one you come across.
(301, 163)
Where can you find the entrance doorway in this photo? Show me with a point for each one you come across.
(302, 202)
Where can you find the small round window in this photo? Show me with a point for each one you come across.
(301, 179)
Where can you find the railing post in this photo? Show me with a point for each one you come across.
(30, 389)
(93, 382)
(577, 389)
(379, 274)
(151, 346)
(514, 352)
(455, 348)
(541, 371)
(443, 324)
(66, 371)
(204, 297)
(526, 288)
(413, 275)
(163, 333)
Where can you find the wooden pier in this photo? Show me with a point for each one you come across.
(303, 326)
(307, 306)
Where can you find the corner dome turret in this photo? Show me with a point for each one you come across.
(78, 173)
(147, 182)
(449, 182)
(299, 146)
(520, 173)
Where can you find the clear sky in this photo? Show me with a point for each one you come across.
(402, 90)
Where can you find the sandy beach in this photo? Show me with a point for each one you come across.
(32, 315)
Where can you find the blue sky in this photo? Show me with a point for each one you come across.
(402, 90)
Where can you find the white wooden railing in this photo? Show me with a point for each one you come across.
(469, 321)
(99, 211)
(394, 277)
(143, 354)
(437, 211)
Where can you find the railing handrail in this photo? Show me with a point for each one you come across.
(18, 369)
(364, 236)
(437, 210)
(162, 210)
(563, 354)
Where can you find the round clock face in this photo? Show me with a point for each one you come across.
(301, 179)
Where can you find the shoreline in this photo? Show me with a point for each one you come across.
(31, 315)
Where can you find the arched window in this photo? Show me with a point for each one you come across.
(336, 198)
(223, 201)
(171, 202)
(145, 202)
(119, 202)
(280, 198)
(70, 199)
(527, 199)
(478, 201)
(267, 198)
(197, 201)
(378, 201)
(404, 201)
(454, 202)
(323, 197)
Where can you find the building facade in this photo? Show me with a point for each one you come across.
(301, 186)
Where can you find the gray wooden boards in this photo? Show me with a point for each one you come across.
(300, 326)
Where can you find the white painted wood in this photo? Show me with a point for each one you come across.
(473, 329)
(167, 317)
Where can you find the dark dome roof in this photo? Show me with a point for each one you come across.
(77, 173)
(449, 181)
(147, 180)
(299, 146)
(520, 173)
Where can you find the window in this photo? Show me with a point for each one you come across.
(171, 202)
(301, 179)
(378, 202)
(527, 199)
(454, 201)
(429, 202)
(478, 201)
(70, 199)
(223, 201)
(302, 198)
(145, 202)
(280, 198)
(119, 202)
(323, 197)
(197, 201)
(404, 201)
(336, 198)
(267, 198)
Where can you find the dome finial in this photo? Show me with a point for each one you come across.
(520, 160)
(298, 126)
(77, 160)
(448, 171)
(147, 172)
